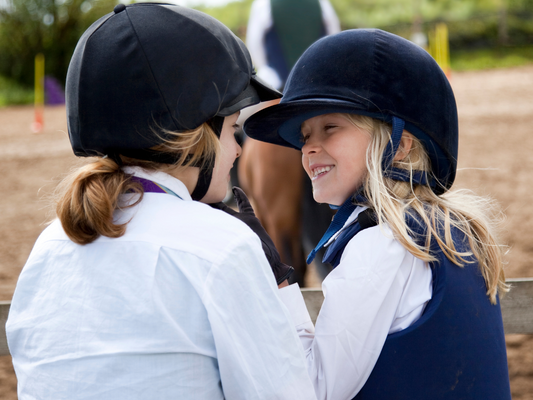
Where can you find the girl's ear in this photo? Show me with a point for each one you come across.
(406, 142)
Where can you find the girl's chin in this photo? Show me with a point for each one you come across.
(215, 194)
(320, 198)
(327, 198)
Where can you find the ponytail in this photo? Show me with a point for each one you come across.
(88, 198)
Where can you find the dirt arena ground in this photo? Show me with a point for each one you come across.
(495, 158)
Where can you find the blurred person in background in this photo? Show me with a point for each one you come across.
(279, 31)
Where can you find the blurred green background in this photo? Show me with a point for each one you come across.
(482, 33)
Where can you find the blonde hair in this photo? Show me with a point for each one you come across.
(87, 198)
(477, 217)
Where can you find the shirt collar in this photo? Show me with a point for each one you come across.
(348, 222)
(162, 178)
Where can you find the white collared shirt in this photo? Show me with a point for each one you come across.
(378, 288)
(183, 306)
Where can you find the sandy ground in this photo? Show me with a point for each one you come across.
(495, 113)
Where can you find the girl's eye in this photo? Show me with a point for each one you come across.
(329, 126)
(303, 138)
(236, 126)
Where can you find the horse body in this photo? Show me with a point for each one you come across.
(271, 176)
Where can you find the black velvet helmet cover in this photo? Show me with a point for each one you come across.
(374, 73)
(147, 68)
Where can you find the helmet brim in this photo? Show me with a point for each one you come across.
(256, 92)
(281, 123)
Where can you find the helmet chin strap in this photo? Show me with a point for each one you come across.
(394, 143)
(397, 174)
(206, 172)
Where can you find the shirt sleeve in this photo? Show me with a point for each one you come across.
(329, 17)
(259, 22)
(377, 284)
(258, 350)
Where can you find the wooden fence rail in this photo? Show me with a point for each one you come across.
(517, 309)
(517, 305)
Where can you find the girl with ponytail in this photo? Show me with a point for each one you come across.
(143, 287)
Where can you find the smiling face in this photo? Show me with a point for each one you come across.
(334, 157)
(229, 151)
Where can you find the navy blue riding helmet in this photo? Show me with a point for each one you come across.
(146, 69)
(374, 73)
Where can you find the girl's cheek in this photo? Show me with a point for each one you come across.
(305, 163)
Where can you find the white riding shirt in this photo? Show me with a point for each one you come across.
(183, 306)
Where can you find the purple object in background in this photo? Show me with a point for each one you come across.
(54, 92)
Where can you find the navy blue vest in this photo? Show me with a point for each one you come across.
(456, 350)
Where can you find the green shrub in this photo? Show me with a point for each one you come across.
(12, 93)
(29, 27)
(500, 57)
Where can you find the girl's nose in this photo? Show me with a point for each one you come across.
(310, 146)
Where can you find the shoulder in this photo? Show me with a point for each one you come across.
(188, 226)
(374, 250)
(260, 16)
(53, 232)
(327, 9)
(325, 4)
(260, 9)
(164, 221)
(259, 5)
(374, 239)
(374, 265)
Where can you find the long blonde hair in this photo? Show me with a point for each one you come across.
(477, 217)
(87, 198)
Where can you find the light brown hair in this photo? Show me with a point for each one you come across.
(87, 198)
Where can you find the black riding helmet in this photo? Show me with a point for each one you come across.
(149, 68)
(374, 73)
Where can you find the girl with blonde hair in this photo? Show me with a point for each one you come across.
(411, 308)
(140, 289)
